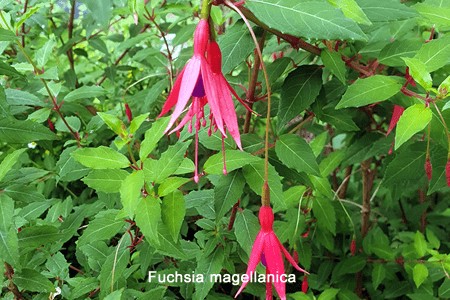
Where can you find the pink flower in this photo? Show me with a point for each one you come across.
(267, 249)
(204, 82)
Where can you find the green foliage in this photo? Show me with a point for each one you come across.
(96, 191)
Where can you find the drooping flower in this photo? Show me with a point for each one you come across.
(203, 81)
(267, 249)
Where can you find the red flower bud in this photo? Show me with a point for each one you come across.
(128, 112)
(447, 172)
(50, 124)
(428, 168)
(305, 284)
(353, 247)
(398, 111)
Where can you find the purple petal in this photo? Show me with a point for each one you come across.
(199, 89)
(263, 260)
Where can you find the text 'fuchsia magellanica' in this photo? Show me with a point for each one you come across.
(202, 79)
(267, 249)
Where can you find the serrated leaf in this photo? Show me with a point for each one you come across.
(25, 16)
(7, 35)
(322, 185)
(152, 136)
(207, 266)
(18, 132)
(414, 119)
(130, 191)
(73, 122)
(331, 162)
(324, 212)
(6, 212)
(9, 161)
(34, 210)
(38, 236)
(369, 90)
(440, 16)
(334, 62)
(418, 71)
(147, 218)
(227, 192)
(435, 54)
(173, 210)
(21, 193)
(33, 281)
(43, 53)
(351, 10)
(167, 246)
(392, 53)
(85, 92)
(234, 159)
(347, 295)
(299, 90)
(170, 161)
(9, 71)
(318, 143)
(171, 184)
(68, 168)
(420, 244)
(137, 122)
(111, 271)
(295, 153)
(236, 46)
(184, 34)
(378, 275)
(316, 20)
(115, 124)
(405, 166)
(432, 239)
(103, 227)
(328, 294)
(420, 273)
(4, 106)
(108, 181)
(254, 175)
(386, 10)
(9, 247)
(100, 158)
(444, 289)
(246, 228)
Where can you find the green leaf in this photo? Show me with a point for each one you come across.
(328, 294)
(18, 132)
(27, 15)
(386, 10)
(21, 193)
(7, 35)
(227, 192)
(444, 289)
(318, 143)
(414, 119)
(33, 281)
(147, 218)
(405, 166)
(299, 90)
(420, 273)
(38, 236)
(234, 159)
(137, 122)
(322, 185)
(4, 106)
(170, 161)
(378, 275)
(440, 16)
(103, 227)
(9, 161)
(101, 11)
(317, 20)
(9, 247)
(184, 34)
(115, 264)
(324, 212)
(347, 295)
(6, 212)
(418, 71)
(236, 46)
(100, 158)
(85, 92)
(173, 210)
(152, 136)
(351, 10)
(167, 246)
(369, 90)
(73, 122)
(295, 153)
(108, 181)
(341, 119)
(58, 266)
(254, 175)
(392, 53)
(432, 239)
(115, 124)
(334, 62)
(43, 54)
(207, 266)
(435, 54)
(246, 228)
(68, 168)
(9, 71)
(171, 184)
(40, 115)
(34, 210)
(420, 244)
(130, 191)
(331, 162)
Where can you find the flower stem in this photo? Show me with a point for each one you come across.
(205, 10)
(265, 195)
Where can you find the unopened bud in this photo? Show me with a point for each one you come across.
(50, 124)
(128, 112)
(353, 247)
(428, 168)
(296, 256)
(305, 284)
(447, 172)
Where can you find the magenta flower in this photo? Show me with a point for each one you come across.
(203, 81)
(267, 249)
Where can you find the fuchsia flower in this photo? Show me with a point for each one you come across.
(267, 249)
(203, 81)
